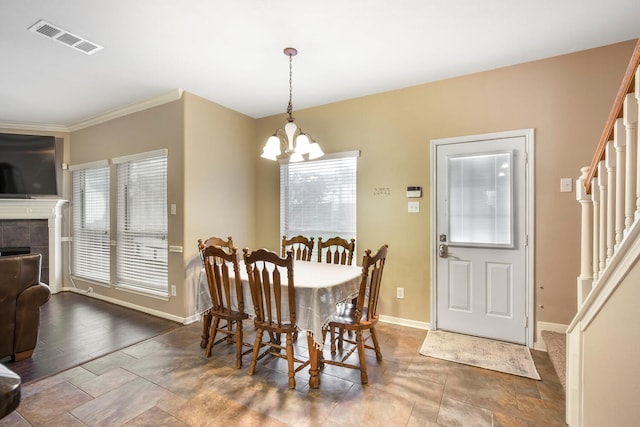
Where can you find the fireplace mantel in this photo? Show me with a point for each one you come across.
(51, 210)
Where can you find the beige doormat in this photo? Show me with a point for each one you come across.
(481, 352)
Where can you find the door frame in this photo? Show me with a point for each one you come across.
(528, 134)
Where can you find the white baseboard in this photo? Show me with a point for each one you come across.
(547, 326)
(405, 322)
(196, 317)
(141, 308)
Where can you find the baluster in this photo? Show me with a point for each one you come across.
(595, 199)
(619, 142)
(610, 161)
(602, 239)
(637, 94)
(630, 115)
(585, 280)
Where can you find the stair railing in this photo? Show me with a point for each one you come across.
(609, 194)
(609, 189)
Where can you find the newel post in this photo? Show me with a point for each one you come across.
(585, 280)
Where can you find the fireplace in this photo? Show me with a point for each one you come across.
(23, 236)
(35, 224)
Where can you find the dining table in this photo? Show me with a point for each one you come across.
(318, 288)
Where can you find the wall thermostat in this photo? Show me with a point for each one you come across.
(414, 191)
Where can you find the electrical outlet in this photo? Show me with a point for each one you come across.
(174, 291)
(400, 293)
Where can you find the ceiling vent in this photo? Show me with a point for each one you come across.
(65, 37)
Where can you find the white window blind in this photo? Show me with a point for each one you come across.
(90, 219)
(318, 198)
(142, 247)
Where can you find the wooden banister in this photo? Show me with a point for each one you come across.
(627, 86)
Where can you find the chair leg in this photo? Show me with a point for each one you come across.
(212, 336)
(256, 351)
(340, 338)
(206, 324)
(292, 378)
(22, 355)
(364, 379)
(333, 340)
(376, 346)
(238, 343)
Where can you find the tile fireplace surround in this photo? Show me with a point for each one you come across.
(50, 210)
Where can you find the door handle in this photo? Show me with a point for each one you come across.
(443, 250)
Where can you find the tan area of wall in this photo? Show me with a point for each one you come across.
(611, 354)
(565, 99)
(156, 128)
(219, 180)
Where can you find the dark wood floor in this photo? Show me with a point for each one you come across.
(75, 329)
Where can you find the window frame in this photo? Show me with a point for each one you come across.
(316, 231)
(142, 251)
(91, 246)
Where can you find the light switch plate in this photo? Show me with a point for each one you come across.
(413, 207)
(566, 185)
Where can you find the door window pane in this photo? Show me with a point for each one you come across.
(481, 200)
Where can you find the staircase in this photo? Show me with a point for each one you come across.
(556, 344)
(601, 341)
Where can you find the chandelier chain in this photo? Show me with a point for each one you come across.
(290, 106)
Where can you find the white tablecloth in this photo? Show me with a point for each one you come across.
(319, 287)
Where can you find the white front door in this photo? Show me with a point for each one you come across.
(483, 209)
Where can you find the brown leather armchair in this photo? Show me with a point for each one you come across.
(21, 295)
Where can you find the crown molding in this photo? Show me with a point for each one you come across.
(172, 95)
(33, 126)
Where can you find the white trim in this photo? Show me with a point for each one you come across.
(405, 322)
(89, 165)
(122, 303)
(528, 134)
(547, 326)
(146, 155)
(172, 95)
(622, 261)
(328, 156)
(33, 127)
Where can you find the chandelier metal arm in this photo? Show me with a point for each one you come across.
(291, 139)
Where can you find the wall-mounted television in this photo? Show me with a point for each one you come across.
(28, 166)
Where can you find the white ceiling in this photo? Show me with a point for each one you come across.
(230, 52)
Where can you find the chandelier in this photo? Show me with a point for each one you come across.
(296, 144)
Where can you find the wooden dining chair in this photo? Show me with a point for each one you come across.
(227, 245)
(225, 290)
(301, 247)
(270, 288)
(360, 317)
(336, 250)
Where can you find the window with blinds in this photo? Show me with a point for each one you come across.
(90, 222)
(142, 245)
(318, 198)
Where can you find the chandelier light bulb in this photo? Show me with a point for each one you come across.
(291, 140)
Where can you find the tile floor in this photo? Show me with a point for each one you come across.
(167, 381)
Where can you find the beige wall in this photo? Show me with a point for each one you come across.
(565, 99)
(219, 181)
(211, 181)
(611, 355)
(160, 127)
